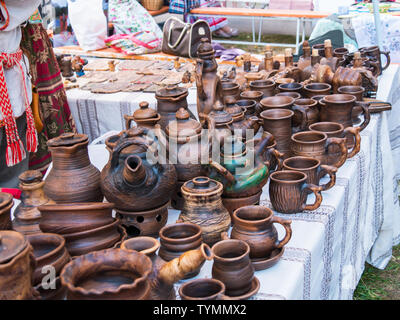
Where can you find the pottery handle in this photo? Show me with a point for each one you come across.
(224, 172)
(341, 142)
(120, 147)
(304, 119)
(128, 121)
(387, 55)
(288, 229)
(357, 140)
(318, 197)
(367, 116)
(331, 171)
(224, 235)
(278, 156)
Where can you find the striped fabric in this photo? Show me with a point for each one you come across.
(214, 23)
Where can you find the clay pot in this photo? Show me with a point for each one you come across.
(6, 203)
(313, 169)
(17, 264)
(321, 49)
(77, 217)
(139, 133)
(294, 95)
(73, 178)
(203, 206)
(316, 89)
(144, 117)
(254, 225)
(178, 238)
(253, 95)
(230, 89)
(202, 289)
(112, 274)
(26, 215)
(309, 107)
(249, 106)
(288, 192)
(290, 87)
(267, 87)
(233, 267)
(276, 102)
(49, 250)
(336, 130)
(316, 145)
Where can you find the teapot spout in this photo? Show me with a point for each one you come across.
(177, 268)
(134, 172)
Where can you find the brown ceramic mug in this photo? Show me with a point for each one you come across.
(288, 192)
(267, 87)
(336, 130)
(230, 89)
(253, 95)
(202, 289)
(307, 107)
(316, 89)
(375, 53)
(316, 145)
(313, 169)
(358, 92)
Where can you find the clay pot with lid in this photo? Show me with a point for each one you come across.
(27, 215)
(144, 117)
(316, 89)
(267, 87)
(17, 264)
(203, 206)
(240, 123)
(6, 203)
(141, 134)
(73, 178)
(222, 121)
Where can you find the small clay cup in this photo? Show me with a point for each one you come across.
(316, 89)
(288, 192)
(267, 87)
(340, 52)
(290, 87)
(253, 95)
(358, 92)
(313, 169)
(202, 289)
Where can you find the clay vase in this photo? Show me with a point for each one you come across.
(73, 178)
(313, 169)
(26, 214)
(290, 87)
(230, 89)
(144, 117)
(316, 89)
(17, 265)
(309, 107)
(267, 87)
(6, 203)
(316, 145)
(336, 130)
(294, 95)
(202, 289)
(288, 192)
(233, 267)
(255, 226)
(277, 102)
(203, 206)
(178, 238)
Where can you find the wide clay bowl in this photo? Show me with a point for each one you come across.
(252, 95)
(91, 240)
(6, 203)
(49, 250)
(202, 289)
(112, 274)
(76, 217)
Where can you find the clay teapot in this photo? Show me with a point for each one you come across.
(6, 203)
(26, 214)
(222, 122)
(73, 178)
(117, 274)
(144, 117)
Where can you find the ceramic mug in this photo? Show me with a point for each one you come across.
(316, 89)
(202, 289)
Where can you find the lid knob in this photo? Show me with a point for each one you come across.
(66, 136)
(182, 114)
(218, 106)
(30, 176)
(143, 105)
(201, 182)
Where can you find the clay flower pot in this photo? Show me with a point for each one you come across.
(6, 203)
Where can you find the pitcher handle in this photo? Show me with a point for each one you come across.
(387, 55)
(128, 121)
(341, 142)
(318, 197)
(304, 119)
(367, 116)
(278, 156)
(357, 140)
(288, 229)
(331, 171)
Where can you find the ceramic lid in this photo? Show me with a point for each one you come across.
(5, 199)
(183, 126)
(67, 139)
(220, 115)
(11, 244)
(30, 176)
(145, 112)
(171, 91)
(201, 185)
(205, 47)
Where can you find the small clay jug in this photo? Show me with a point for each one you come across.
(316, 145)
(290, 87)
(336, 130)
(255, 226)
(144, 117)
(202, 289)
(288, 192)
(309, 107)
(267, 87)
(26, 214)
(277, 102)
(73, 178)
(313, 169)
(6, 203)
(316, 89)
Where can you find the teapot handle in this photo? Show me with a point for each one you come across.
(288, 229)
(223, 171)
(117, 150)
(128, 121)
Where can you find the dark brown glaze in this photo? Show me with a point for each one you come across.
(49, 250)
(309, 107)
(112, 274)
(76, 217)
(232, 266)
(26, 215)
(72, 178)
(202, 289)
(375, 53)
(313, 169)
(6, 203)
(254, 225)
(316, 89)
(336, 130)
(267, 87)
(203, 206)
(316, 145)
(288, 192)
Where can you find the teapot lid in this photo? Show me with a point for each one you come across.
(67, 139)
(145, 112)
(183, 126)
(5, 199)
(30, 176)
(201, 185)
(11, 244)
(220, 115)
(171, 91)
